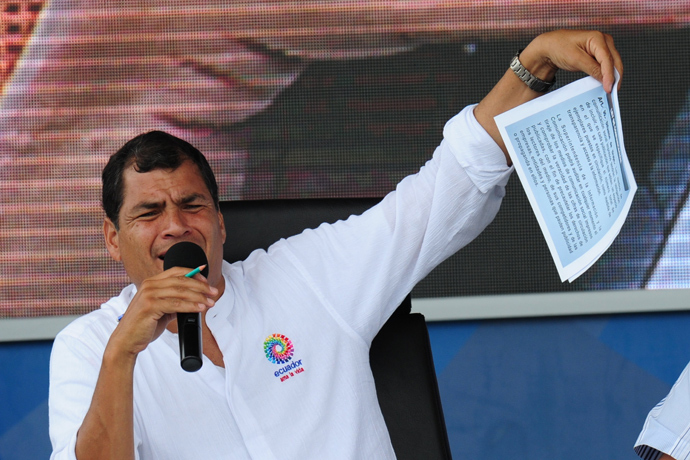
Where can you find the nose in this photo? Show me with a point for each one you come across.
(175, 224)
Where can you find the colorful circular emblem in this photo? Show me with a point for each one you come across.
(278, 348)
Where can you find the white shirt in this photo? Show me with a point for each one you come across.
(667, 427)
(325, 293)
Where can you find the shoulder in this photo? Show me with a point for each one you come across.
(95, 327)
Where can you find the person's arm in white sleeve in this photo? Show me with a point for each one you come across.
(75, 362)
(377, 258)
(92, 402)
(363, 267)
(72, 366)
(666, 431)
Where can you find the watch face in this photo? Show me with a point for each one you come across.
(515, 63)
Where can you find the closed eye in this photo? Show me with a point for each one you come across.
(147, 215)
(193, 207)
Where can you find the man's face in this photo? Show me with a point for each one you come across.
(161, 208)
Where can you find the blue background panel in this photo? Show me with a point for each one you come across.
(24, 393)
(561, 388)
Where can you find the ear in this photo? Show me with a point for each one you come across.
(222, 225)
(112, 241)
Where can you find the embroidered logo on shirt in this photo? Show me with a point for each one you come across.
(279, 350)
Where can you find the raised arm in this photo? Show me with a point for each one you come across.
(574, 50)
(431, 215)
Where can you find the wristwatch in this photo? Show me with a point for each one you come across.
(532, 82)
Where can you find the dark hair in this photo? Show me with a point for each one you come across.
(148, 152)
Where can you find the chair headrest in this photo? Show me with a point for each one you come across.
(257, 224)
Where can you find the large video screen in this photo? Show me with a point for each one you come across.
(319, 98)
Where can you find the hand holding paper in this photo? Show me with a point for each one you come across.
(586, 51)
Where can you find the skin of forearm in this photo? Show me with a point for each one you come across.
(510, 92)
(108, 428)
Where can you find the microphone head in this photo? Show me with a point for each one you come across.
(186, 254)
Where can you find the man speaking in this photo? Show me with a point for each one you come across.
(312, 303)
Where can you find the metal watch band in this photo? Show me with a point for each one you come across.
(532, 82)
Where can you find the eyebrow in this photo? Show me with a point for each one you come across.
(148, 205)
(193, 197)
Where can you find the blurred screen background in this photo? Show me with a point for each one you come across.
(294, 99)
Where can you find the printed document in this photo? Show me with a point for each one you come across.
(567, 147)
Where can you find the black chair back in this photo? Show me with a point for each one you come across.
(406, 383)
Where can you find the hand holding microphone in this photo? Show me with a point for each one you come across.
(190, 255)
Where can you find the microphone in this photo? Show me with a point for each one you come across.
(190, 255)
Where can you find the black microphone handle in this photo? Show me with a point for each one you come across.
(191, 349)
(190, 255)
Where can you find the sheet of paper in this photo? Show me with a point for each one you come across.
(567, 147)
